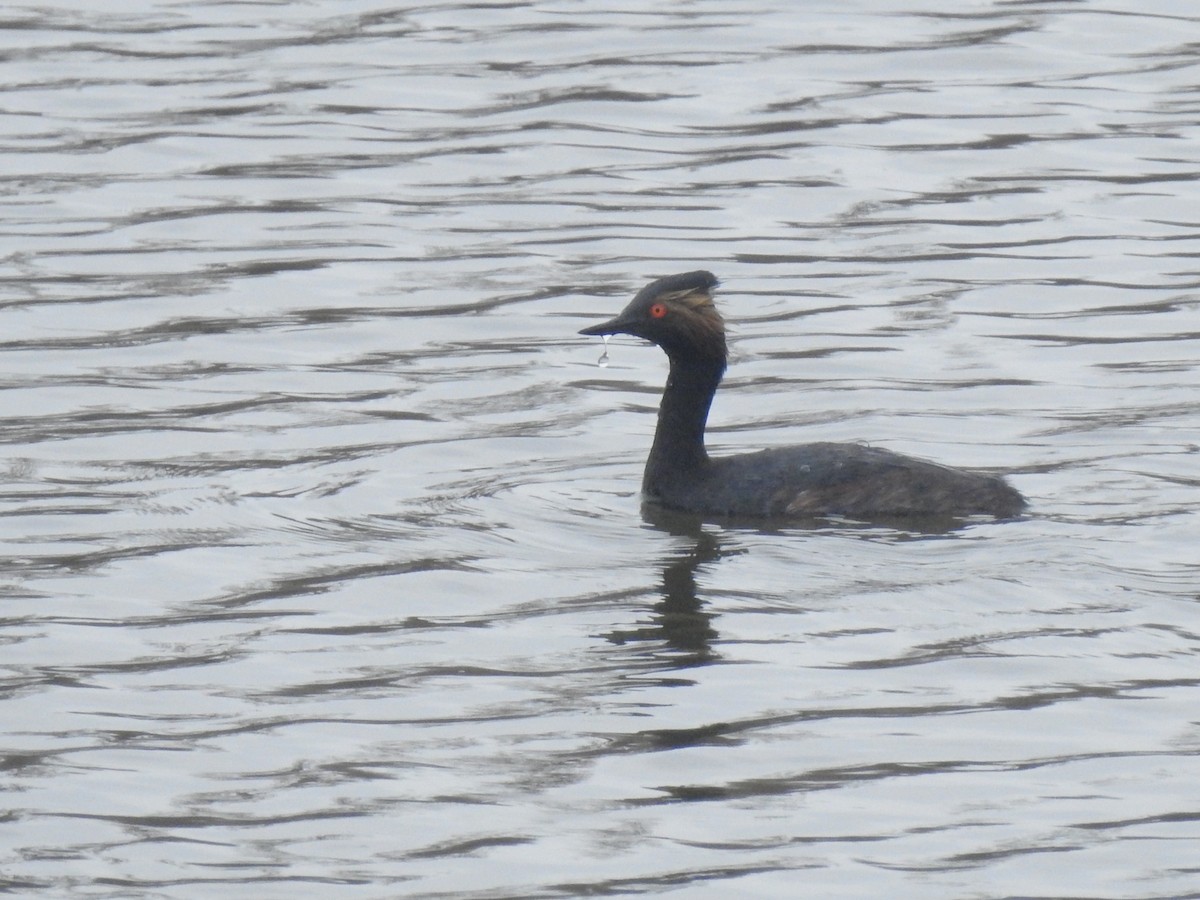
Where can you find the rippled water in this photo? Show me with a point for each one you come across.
(324, 572)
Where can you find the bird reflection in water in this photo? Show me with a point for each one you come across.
(679, 621)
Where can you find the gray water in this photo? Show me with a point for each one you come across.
(324, 571)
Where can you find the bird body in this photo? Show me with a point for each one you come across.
(798, 482)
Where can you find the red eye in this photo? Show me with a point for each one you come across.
(658, 311)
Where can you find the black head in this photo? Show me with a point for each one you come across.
(678, 314)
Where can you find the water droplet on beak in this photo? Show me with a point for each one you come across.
(602, 362)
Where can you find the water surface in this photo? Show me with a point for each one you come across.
(324, 571)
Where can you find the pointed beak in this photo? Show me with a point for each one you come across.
(619, 325)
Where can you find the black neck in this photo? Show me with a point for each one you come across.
(679, 439)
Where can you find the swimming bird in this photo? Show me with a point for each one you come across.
(805, 481)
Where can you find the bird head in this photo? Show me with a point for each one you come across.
(678, 314)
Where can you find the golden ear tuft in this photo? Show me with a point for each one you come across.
(699, 302)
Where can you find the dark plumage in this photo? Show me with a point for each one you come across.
(806, 481)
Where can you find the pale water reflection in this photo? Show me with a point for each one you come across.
(324, 571)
